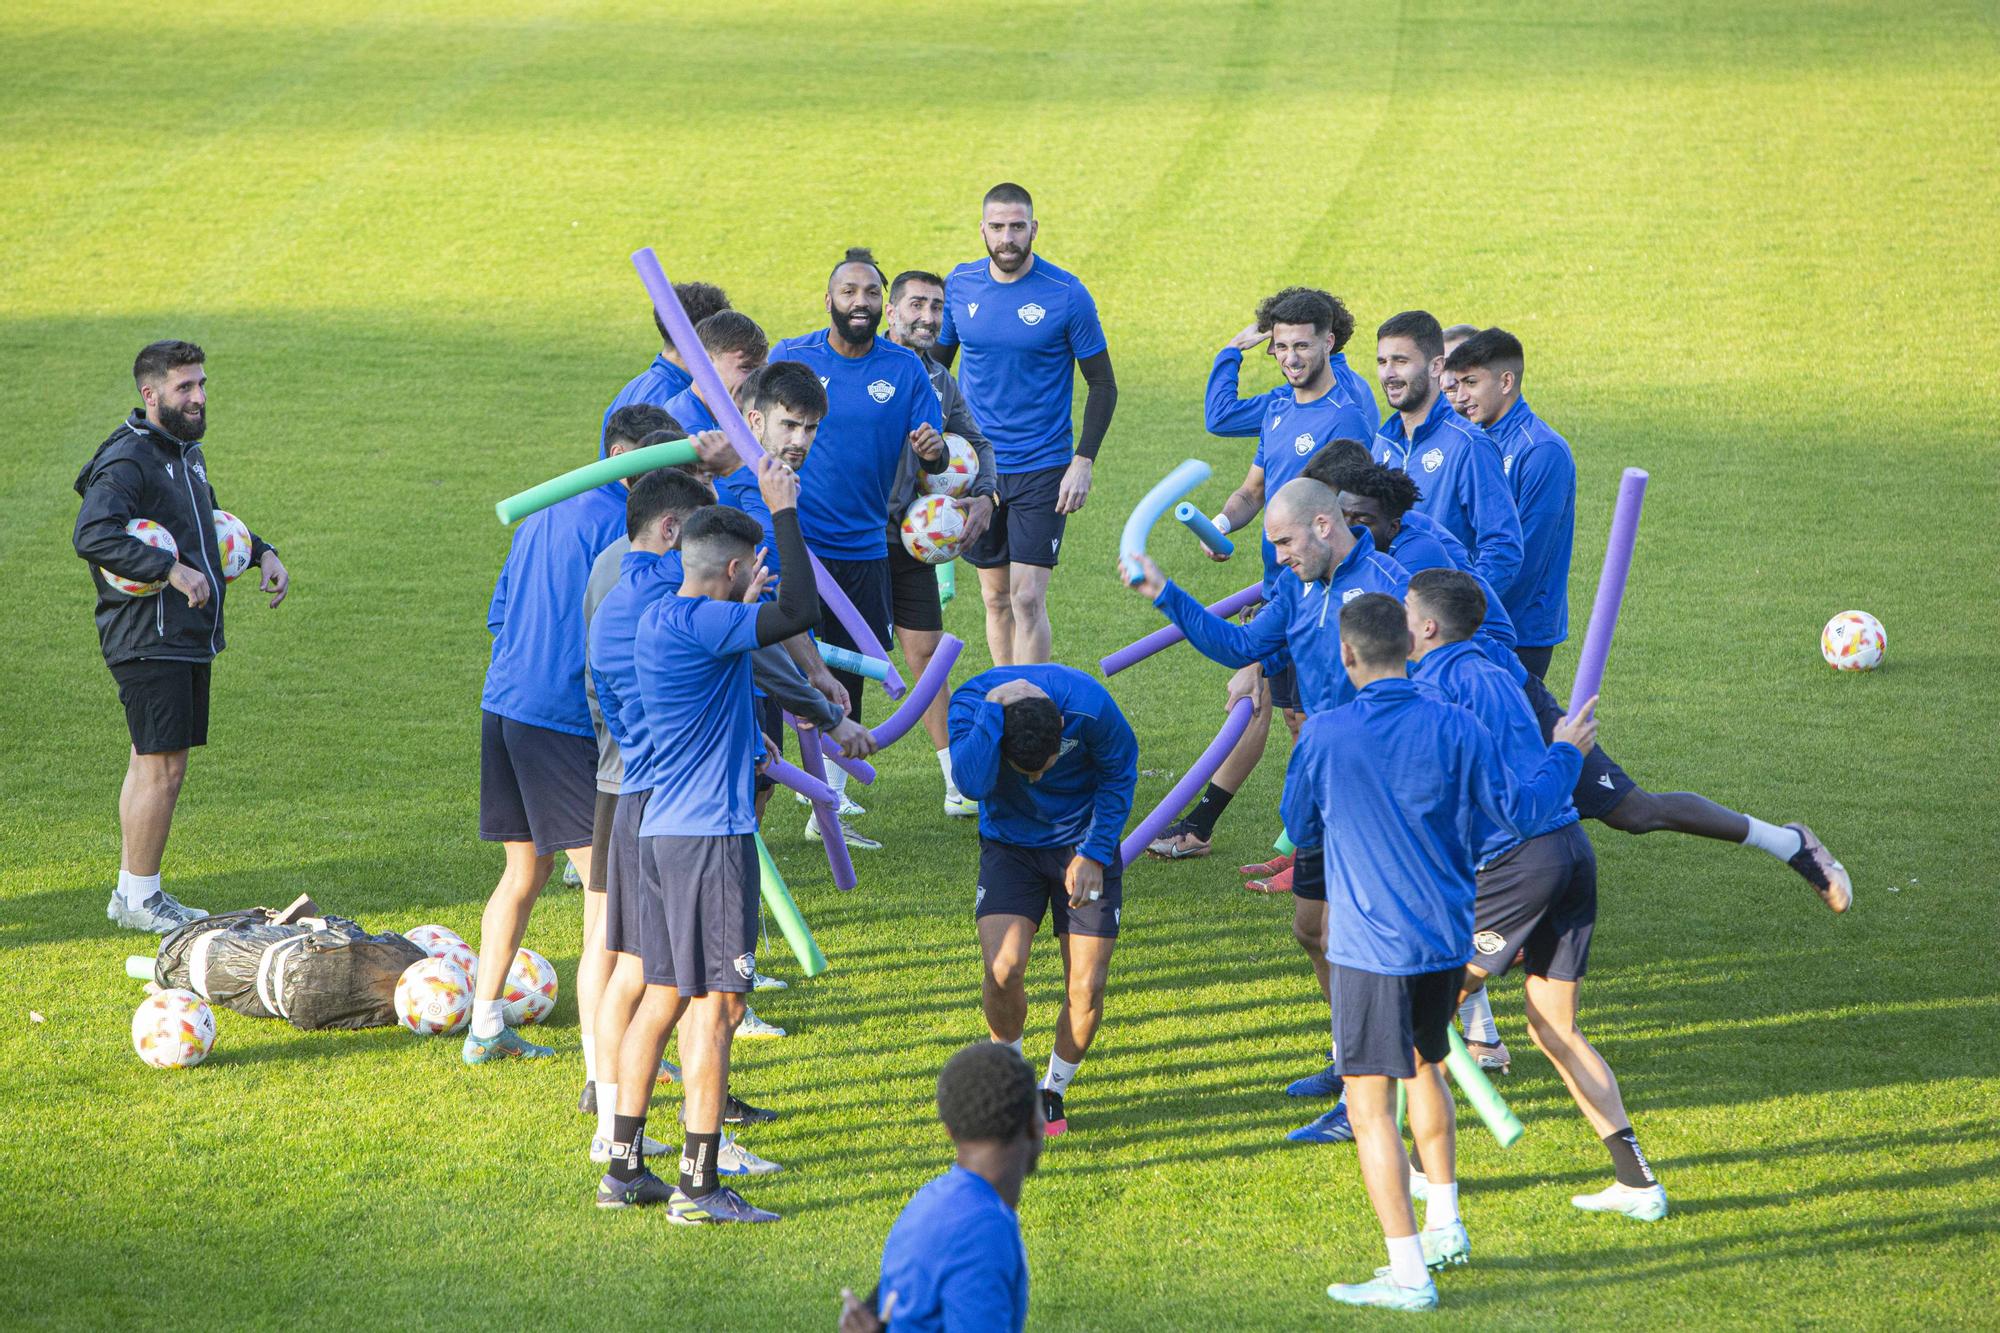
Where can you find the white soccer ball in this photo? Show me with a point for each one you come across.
(173, 1029)
(1853, 641)
(933, 529)
(232, 538)
(444, 942)
(530, 992)
(153, 534)
(433, 996)
(961, 468)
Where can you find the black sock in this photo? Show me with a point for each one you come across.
(1628, 1161)
(1200, 821)
(698, 1164)
(628, 1145)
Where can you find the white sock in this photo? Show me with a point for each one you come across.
(944, 762)
(1061, 1071)
(590, 1062)
(607, 1107)
(1440, 1206)
(1783, 843)
(1418, 1181)
(1476, 1017)
(1014, 1045)
(486, 1018)
(1406, 1262)
(135, 889)
(836, 778)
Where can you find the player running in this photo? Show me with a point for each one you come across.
(1053, 763)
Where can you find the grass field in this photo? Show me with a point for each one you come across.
(1749, 248)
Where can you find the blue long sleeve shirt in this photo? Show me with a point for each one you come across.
(1084, 800)
(1542, 472)
(1457, 467)
(1358, 386)
(1416, 549)
(738, 490)
(656, 385)
(643, 578)
(954, 1261)
(1392, 787)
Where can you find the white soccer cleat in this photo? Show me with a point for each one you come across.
(856, 841)
(761, 982)
(960, 807)
(600, 1148)
(849, 807)
(1641, 1205)
(733, 1159)
(753, 1026)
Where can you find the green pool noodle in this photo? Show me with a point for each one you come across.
(947, 582)
(790, 924)
(1402, 1103)
(1479, 1090)
(1283, 846)
(592, 475)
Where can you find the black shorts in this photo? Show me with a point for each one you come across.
(1603, 783)
(1309, 874)
(635, 915)
(1378, 1020)
(1028, 881)
(1542, 897)
(1026, 529)
(535, 785)
(600, 839)
(771, 717)
(1536, 660)
(1285, 690)
(866, 583)
(166, 704)
(707, 886)
(913, 589)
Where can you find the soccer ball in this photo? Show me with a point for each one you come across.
(232, 538)
(530, 992)
(433, 996)
(173, 1029)
(1853, 641)
(153, 534)
(443, 942)
(961, 468)
(932, 529)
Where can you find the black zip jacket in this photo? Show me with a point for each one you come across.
(143, 472)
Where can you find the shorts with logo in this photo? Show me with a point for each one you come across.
(707, 886)
(913, 589)
(866, 583)
(1026, 529)
(1603, 784)
(166, 703)
(1540, 897)
(1379, 1020)
(535, 785)
(1028, 881)
(635, 914)
(1309, 874)
(602, 816)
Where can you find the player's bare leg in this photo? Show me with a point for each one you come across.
(1003, 991)
(995, 592)
(1086, 960)
(501, 927)
(145, 818)
(594, 967)
(1190, 835)
(1688, 812)
(1028, 590)
(1309, 929)
(1405, 1283)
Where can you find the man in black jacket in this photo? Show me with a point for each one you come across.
(159, 646)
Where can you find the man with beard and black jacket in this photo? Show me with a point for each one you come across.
(159, 646)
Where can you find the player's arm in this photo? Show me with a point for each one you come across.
(1114, 753)
(774, 672)
(1496, 526)
(1222, 411)
(945, 349)
(1242, 505)
(109, 502)
(797, 607)
(1523, 806)
(1213, 637)
(1299, 804)
(1544, 491)
(974, 723)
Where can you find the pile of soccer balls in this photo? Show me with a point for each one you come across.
(434, 997)
(232, 539)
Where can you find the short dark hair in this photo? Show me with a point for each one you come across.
(1337, 463)
(690, 468)
(664, 490)
(699, 300)
(1390, 485)
(1006, 192)
(1460, 332)
(1374, 625)
(908, 276)
(1453, 598)
(1488, 347)
(857, 254)
(785, 384)
(635, 421)
(1307, 305)
(1030, 732)
(713, 535)
(666, 434)
(1420, 326)
(156, 359)
(733, 331)
(987, 1092)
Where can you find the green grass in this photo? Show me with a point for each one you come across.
(1750, 248)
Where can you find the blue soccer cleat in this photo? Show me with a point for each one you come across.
(506, 1046)
(1325, 1083)
(1329, 1128)
(1385, 1294)
(723, 1205)
(645, 1188)
(1641, 1205)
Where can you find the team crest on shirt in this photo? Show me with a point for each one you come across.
(1031, 313)
(1349, 595)
(199, 471)
(1488, 941)
(1068, 743)
(1507, 466)
(746, 966)
(1433, 459)
(881, 391)
(1303, 445)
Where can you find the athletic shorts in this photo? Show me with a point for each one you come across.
(1026, 529)
(535, 785)
(866, 583)
(166, 704)
(1540, 897)
(600, 839)
(707, 887)
(635, 915)
(1309, 874)
(1285, 690)
(1603, 783)
(1379, 1020)
(1536, 660)
(1028, 881)
(771, 717)
(913, 589)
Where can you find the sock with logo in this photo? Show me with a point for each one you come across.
(1406, 1262)
(698, 1164)
(951, 791)
(488, 1018)
(1783, 843)
(1200, 821)
(1061, 1071)
(607, 1112)
(1476, 1017)
(135, 889)
(1440, 1206)
(628, 1144)
(1628, 1161)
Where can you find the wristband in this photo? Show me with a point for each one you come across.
(1222, 523)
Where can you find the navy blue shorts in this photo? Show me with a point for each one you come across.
(535, 785)
(1026, 528)
(1536, 660)
(707, 886)
(1285, 690)
(913, 589)
(1603, 784)
(1028, 881)
(867, 585)
(1379, 1020)
(1540, 897)
(635, 916)
(1309, 874)
(603, 816)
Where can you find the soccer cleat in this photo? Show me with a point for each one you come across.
(1386, 1294)
(1329, 1128)
(1283, 861)
(643, 1189)
(1816, 865)
(159, 914)
(859, 842)
(1641, 1205)
(736, 1111)
(733, 1159)
(669, 1072)
(753, 1026)
(1053, 1113)
(505, 1046)
(960, 807)
(600, 1148)
(570, 875)
(1279, 881)
(1442, 1248)
(587, 1103)
(1179, 843)
(1491, 1054)
(849, 807)
(723, 1205)
(761, 982)
(1325, 1083)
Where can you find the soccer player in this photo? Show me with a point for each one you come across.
(1537, 887)
(916, 313)
(1052, 762)
(698, 935)
(1023, 323)
(1453, 461)
(1390, 785)
(954, 1259)
(160, 649)
(668, 375)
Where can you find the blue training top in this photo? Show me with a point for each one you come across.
(1542, 472)
(657, 385)
(643, 578)
(1457, 467)
(954, 1261)
(694, 685)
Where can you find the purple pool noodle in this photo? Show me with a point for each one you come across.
(1191, 782)
(1610, 588)
(936, 672)
(1167, 636)
(826, 814)
(859, 769)
(799, 781)
(727, 415)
